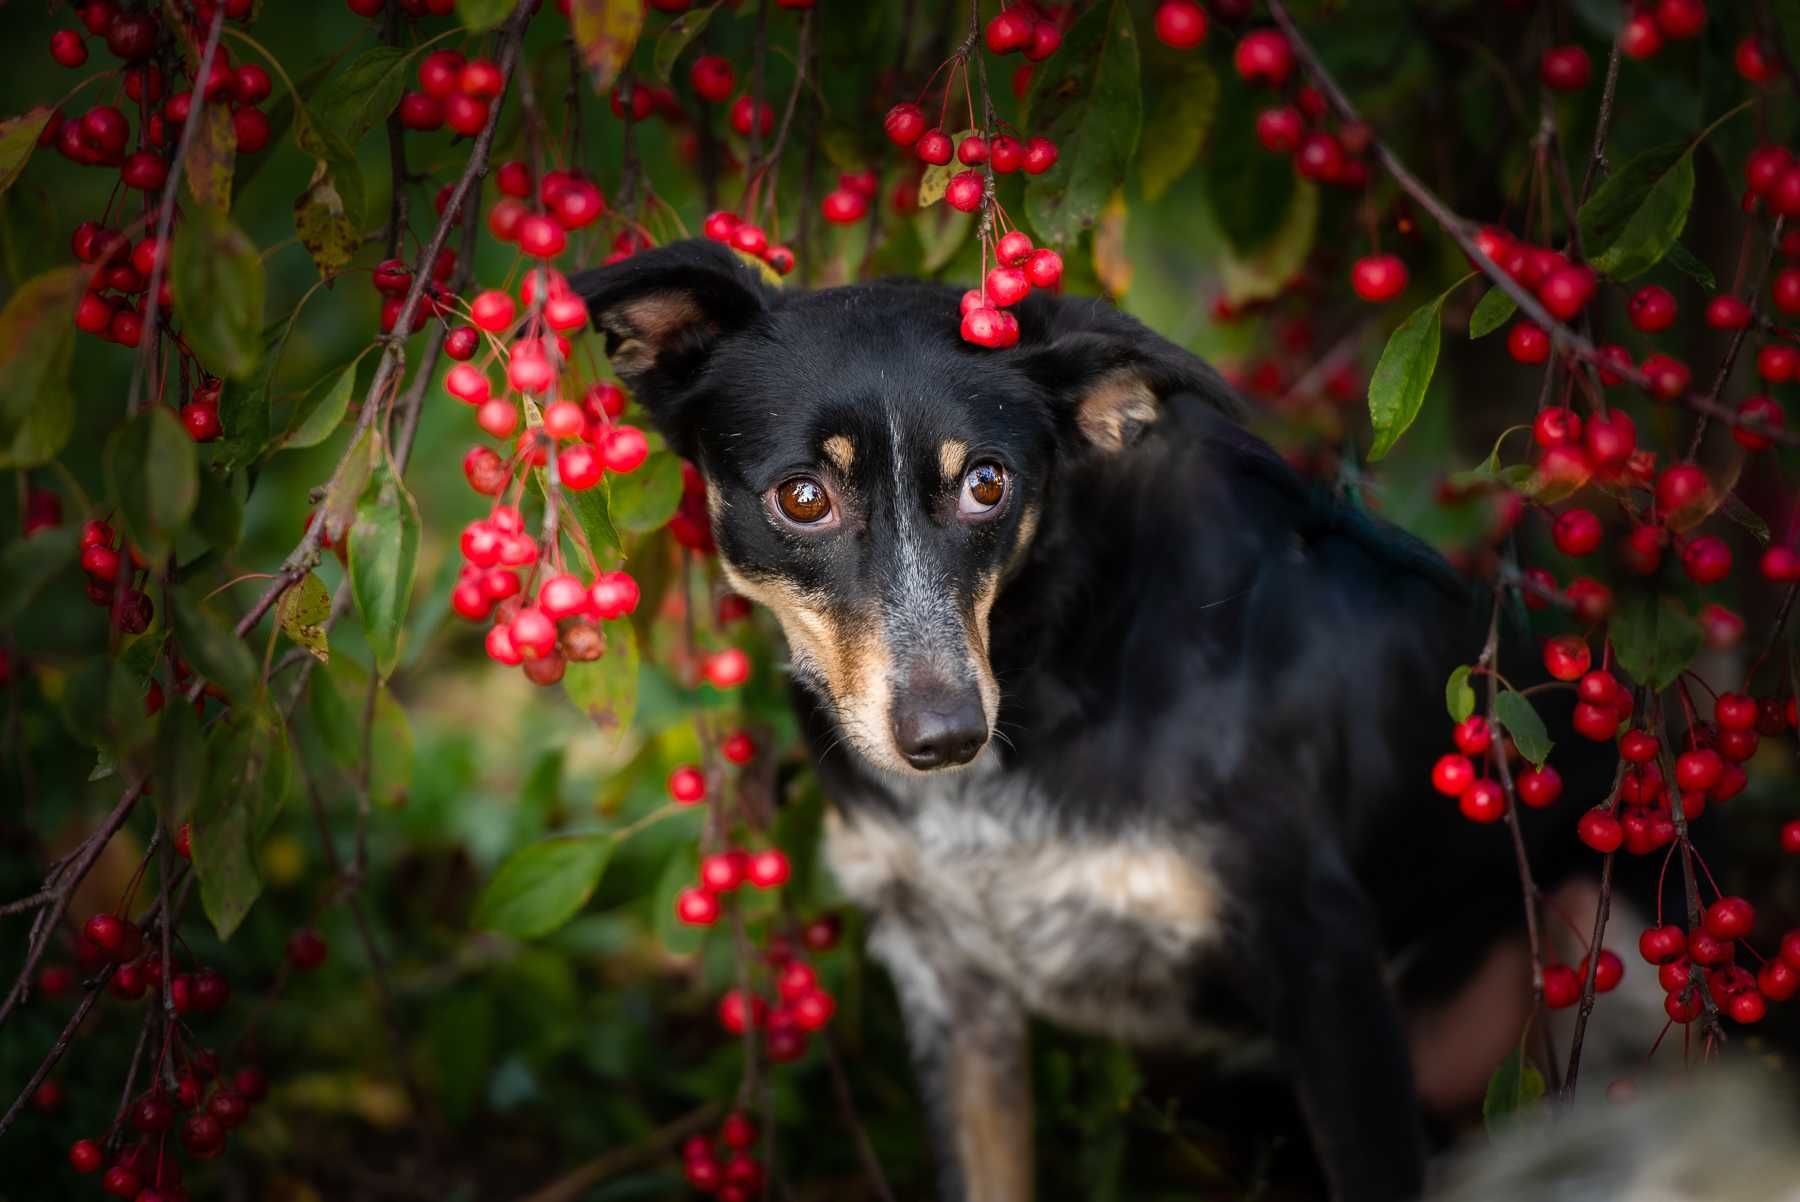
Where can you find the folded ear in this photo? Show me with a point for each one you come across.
(662, 312)
(1110, 376)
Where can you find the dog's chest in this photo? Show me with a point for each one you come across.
(1100, 933)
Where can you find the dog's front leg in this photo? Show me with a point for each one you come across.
(967, 1034)
(1313, 967)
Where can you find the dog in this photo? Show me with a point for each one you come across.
(1123, 724)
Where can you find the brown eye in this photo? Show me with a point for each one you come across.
(802, 499)
(983, 488)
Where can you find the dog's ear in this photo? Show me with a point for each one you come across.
(1109, 375)
(662, 312)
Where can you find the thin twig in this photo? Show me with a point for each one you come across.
(165, 217)
(865, 1151)
(1602, 912)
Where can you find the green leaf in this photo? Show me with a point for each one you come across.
(179, 770)
(212, 158)
(1459, 698)
(1654, 638)
(1263, 272)
(1735, 509)
(1177, 128)
(459, 1034)
(1515, 712)
(1515, 1085)
(324, 407)
(212, 648)
(30, 564)
(225, 863)
(217, 278)
(18, 138)
(359, 97)
(323, 224)
(605, 33)
(1682, 259)
(606, 689)
(482, 15)
(384, 550)
(151, 473)
(248, 767)
(339, 697)
(678, 872)
(1637, 214)
(1492, 311)
(391, 745)
(37, 345)
(1248, 189)
(679, 35)
(646, 499)
(302, 612)
(345, 490)
(592, 511)
(1088, 99)
(542, 886)
(218, 515)
(1397, 389)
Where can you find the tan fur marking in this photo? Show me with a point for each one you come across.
(1155, 883)
(952, 454)
(1114, 408)
(841, 451)
(645, 325)
(846, 655)
(993, 1134)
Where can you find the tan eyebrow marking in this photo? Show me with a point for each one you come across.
(952, 453)
(841, 451)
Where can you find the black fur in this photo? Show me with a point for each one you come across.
(1197, 649)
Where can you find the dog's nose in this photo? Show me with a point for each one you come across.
(940, 728)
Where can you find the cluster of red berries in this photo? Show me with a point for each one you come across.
(1772, 178)
(566, 201)
(112, 306)
(1023, 29)
(1742, 995)
(905, 124)
(103, 557)
(391, 280)
(1297, 127)
(1019, 268)
(561, 626)
(746, 237)
(453, 91)
(1478, 796)
(738, 1176)
(1653, 22)
(412, 9)
(797, 1004)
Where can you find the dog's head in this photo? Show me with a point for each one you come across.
(872, 478)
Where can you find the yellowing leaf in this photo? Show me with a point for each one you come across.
(605, 32)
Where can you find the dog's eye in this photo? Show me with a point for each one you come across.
(803, 499)
(984, 486)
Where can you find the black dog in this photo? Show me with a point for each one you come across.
(1123, 724)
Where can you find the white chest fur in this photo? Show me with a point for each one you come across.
(1097, 932)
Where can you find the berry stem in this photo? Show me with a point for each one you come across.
(1602, 912)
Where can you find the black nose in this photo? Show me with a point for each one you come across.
(937, 728)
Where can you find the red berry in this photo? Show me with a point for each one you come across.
(1562, 988)
(1565, 68)
(1264, 56)
(1600, 831)
(1780, 565)
(1320, 157)
(904, 124)
(687, 785)
(1577, 532)
(1280, 129)
(1651, 309)
(1640, 39)
(1483, 801)
(67, 48)
(1041, 153)
(934, 147)
(744, 111)
(85, 1156)
(541, 237)
(1567, 657)
(964, 191)
(1682, 488)
(1180, 24)
(624, 449)
(1527, 343)
(1473, 736)
(1010, 30)
(842, 206)
(1539, 787)
(697, 907)
(1452, 775)
(1698, 770)
(726, 669)
(768, 868)
(738, 747)
(1681, 18)
(1378, 278)
(1726, 312)
(712, 78)
(1729, 918)
(1044, 268)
